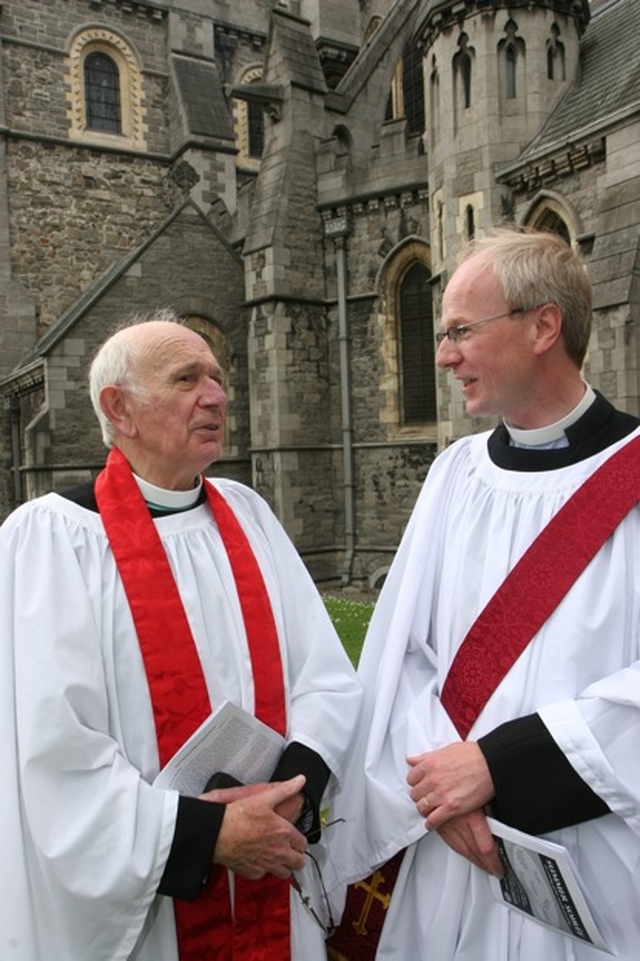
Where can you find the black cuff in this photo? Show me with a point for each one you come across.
(536, 788)
(299, 759)
(189, 862)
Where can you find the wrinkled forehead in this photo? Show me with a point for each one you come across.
(163, 346)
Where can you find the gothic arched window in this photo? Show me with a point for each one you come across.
(512, 53)
(463, 72)
(552, 221)
(415, 317)
(102, 93)
(106, 95)
(555, 56)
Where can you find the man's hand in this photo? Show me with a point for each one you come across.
(256, 838)
(469, 835)
(290, 808)
(450, 787)
(448, 782)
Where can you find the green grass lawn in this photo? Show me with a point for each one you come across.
(350, 618)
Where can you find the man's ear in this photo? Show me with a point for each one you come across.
(548, 327)
(116, 407)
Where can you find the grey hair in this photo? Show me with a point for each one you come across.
(116, 363)
(534, 267)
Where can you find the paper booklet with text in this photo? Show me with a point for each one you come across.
(233, 741)
(542, 883)
(230, 740)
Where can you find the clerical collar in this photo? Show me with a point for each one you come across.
(160, 499)
(553, 435)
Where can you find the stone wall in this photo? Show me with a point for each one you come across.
(75, 213)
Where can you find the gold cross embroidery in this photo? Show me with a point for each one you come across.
(377, 879)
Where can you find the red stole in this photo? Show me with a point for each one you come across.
(536, 585)
(259, 930)
(513, 616)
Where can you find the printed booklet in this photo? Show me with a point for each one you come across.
(541, 882)
(230, 740)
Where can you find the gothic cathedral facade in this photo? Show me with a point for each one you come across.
(295, 179)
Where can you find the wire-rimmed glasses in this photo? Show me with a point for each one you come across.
(328, 926)
(458, 332)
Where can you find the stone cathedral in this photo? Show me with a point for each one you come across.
(295, 179)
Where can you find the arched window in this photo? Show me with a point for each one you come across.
(512, 53)
(470, 222)
(555, 56)
(102, 93)
(552, 221)
(415, 315)
(106, 95)
(463, 72)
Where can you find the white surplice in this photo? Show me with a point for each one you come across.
(84, 835)
(472, 523)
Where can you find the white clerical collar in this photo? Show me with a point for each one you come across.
(554, 434)
(168, 500)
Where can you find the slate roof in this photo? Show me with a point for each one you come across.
(608, 82)
(298, 51)
(203, 99)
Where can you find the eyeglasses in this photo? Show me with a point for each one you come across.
(327, 924)
(459, 332)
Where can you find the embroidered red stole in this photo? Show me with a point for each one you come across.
(259, 930)
(537, 584)
(503, 629)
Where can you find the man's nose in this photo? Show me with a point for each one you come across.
(447, 353)
(213, 394)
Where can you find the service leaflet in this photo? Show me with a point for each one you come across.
(542, 883)
(229, 740)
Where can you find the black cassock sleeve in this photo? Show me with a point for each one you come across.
(194, 840)
(299, 759)
(536, 788)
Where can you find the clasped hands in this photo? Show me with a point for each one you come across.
(450, 788)
(257, 835)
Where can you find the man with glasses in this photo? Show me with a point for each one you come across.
(501, 664)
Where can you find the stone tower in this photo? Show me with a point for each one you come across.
(494, 72)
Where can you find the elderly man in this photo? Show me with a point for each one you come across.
(501, 665)
(130, 609)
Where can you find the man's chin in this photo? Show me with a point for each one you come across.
(475, 408)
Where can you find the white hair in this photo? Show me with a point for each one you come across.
(115, 363)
